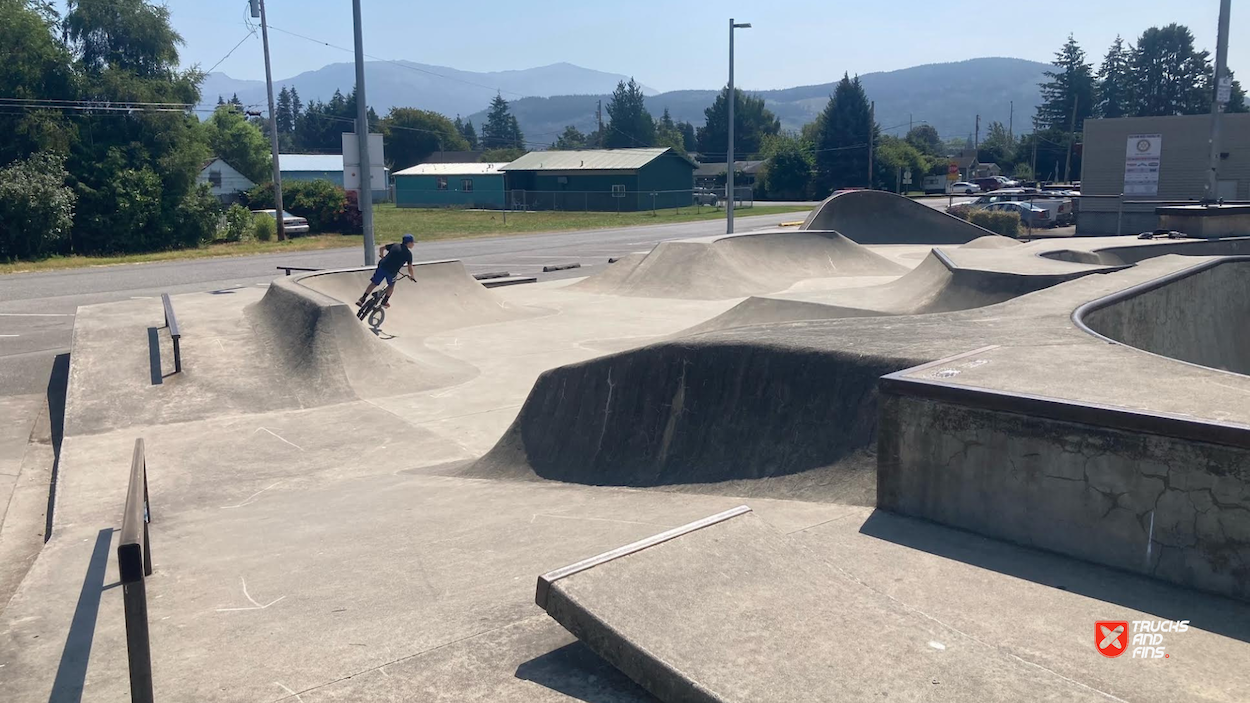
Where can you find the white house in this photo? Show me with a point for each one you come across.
(227, 183)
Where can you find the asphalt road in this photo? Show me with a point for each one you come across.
(37, 309)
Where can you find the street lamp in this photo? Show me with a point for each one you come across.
(729, 170)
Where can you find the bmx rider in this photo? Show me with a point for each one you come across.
(394, 257)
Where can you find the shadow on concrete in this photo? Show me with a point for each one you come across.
(71, 675)
(154, 355)
(581, 674)
(58, 383)
(1212, 613)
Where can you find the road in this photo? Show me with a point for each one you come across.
(37, 309)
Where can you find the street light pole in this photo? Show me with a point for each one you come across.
(278, 214)
(729, 164)
(1221, 69)
(365, 197)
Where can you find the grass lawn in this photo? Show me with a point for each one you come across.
(390, 223)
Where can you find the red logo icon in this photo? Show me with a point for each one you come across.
(1111, 637)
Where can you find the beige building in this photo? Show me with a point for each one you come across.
(1149, 159)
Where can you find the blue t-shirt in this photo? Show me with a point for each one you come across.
(397, 255)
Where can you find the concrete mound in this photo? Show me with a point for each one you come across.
(318, 342)
(936, 285)
(734, 416)
(878, 217)
(1197, 316)
(445, 297)
(736, 266)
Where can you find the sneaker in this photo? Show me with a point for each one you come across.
(361, 301)
(385, 304)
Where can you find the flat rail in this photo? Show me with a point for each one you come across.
(134, 564)
(171, 321)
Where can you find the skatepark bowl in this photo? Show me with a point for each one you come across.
(887, 455)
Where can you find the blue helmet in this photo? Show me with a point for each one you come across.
(409, 238)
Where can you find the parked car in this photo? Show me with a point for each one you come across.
(965, 188)
(1062, 210)
(290, 223)
(706, 196)
(988, 184)
(1007, 182)
(1033, 216)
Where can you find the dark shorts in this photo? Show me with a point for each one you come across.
(380, 274)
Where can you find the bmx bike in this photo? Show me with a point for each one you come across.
(374, 301)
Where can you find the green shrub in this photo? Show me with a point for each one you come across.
(264, 227)
(196, 216)
(961, 211)
(36, 208)
(237, 225)
(320, 202)
(1004, 223)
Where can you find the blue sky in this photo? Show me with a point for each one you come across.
(681, 44)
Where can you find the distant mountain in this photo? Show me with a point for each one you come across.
(948, 96)
(408, 84)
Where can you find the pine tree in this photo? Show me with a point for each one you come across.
(297, 107)
(752, 123)
(220, 101)
(234, 100)
(501, 130)
(845, 128)
(1113, 93)
(469, 134)
(1071, 86)
(689, 139)
(282, 114)
(572, 138)
(629, 123)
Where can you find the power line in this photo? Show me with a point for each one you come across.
(245, 38)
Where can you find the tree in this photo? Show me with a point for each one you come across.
(412, 135)
(36, 65)
(1169, 77)
(1113, 92)
(297, 107)
(926, 140)
(465, 128)
(688, 139)
(787, 173)
(752, 122)
(239, 143)
(629, 123)
(320, 127)
(999, 146)
(846, 129)
(501, 130)
(668, 134)
(894, 157)
(283, 114)
(135, 176)
(36, 207)
(572, 138)
(1237, 101)
(501, 155)
(1070, 87)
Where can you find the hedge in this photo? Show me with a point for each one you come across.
(1004, 223)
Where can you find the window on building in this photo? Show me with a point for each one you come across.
(442, 182)
(618, 191)
(214, 179)
(466, 184)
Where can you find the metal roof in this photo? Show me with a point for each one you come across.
(310, 162)
(469, 169)
(587, 160)
(719, 169)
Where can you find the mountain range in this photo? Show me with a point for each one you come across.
(948, 96)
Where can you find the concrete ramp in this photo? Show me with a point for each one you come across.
(445, 297)
(878, 217)
(735, 266)
(728, 610)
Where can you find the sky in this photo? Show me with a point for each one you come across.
(675, 44)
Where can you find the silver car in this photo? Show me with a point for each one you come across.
(290, 223)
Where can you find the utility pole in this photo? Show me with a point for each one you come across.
(1067, 166)
(1011, 121)
(976, 141)
(365, 197)
(729, 164)
(872, 127)
(1221, 73)
(1034, 168)
(278, 214)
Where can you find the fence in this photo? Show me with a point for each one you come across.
(1140, 212)
(617, 200)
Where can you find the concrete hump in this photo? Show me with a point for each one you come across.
(735, 266)
(445, 297)
(878, 217)
(728, 610)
